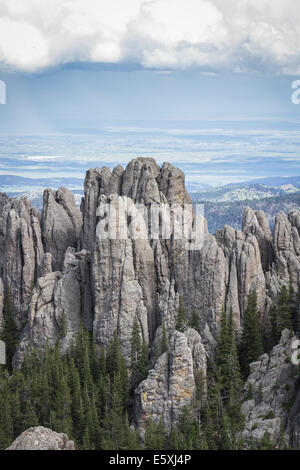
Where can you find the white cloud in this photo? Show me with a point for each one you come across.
(213, 35)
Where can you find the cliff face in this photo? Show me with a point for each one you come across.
(61, 224)
(171, 385)
(21, 251)
(61, 273)
(272, 388)
(61, 300)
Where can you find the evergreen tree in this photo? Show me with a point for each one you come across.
(143, 363)
(295, 309)
(63, 325)
(154, 436)
(164, 341)
(233, 386)
(223, 348)
(181, 321)
(284, 316)
(195, 322)
(9, 334)
(251, 344)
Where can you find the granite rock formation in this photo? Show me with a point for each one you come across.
(271, 389)
(60, 271)
(61, 224)
(61, 300)
(170, 385)
(21, 251)
(40, 438)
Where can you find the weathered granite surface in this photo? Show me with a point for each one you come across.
(40, 438)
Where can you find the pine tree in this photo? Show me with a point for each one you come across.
(284, 316)
(233, 385)
(164, 341)
(63, 325)
(154, 436)
(181, 321)
(195, 322)
(251, 343)
(228, 384)
(6, 424)
(143, 363)
(223, 348)
(295, 308)
(9, 334)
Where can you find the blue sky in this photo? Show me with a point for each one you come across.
(65, 98)
(207, 86)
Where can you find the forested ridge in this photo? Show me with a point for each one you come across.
(89, 395)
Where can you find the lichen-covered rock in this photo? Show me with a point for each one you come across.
(45, 266)
(287, 248)
(21, 251)
(255, 222)
(60, 302)
(40, 438)
(271, 389)
(170, 385)
(123, 281)
(61, 223)
(113, 280)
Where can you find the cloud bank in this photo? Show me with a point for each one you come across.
(212, 35)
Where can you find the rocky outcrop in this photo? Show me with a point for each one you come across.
(280, 251)
(220, 274)
(143, 181)
(60, 302)
(170, 385)
(40, 438)
(255, 222)
(21, 251)
(171, 184)
(244, 270)
(123, 279)
(271, 390)
(61, 224)
(114, 279)
(287, 248)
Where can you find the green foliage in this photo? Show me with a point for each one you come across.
(88, 394)
(63, 325)
(284, 313)
(78, 394)
(195, 322)
(295, 308)
(155, 436)
(220, 419)
(9, 334)
(181, 321)
(139, 360)
(251, 344)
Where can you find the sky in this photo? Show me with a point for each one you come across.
(204, 84)
(247, 35)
